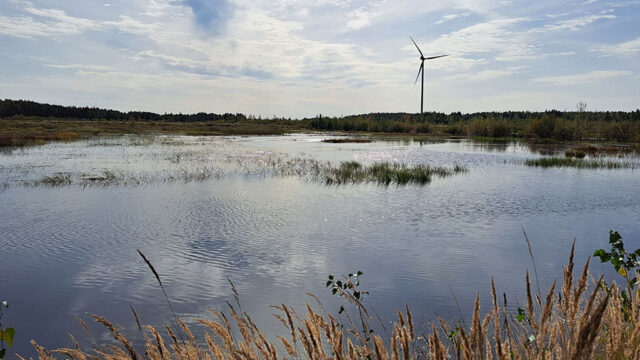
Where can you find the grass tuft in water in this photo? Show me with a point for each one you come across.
(386, 173)
(56, 180)
(549, 162)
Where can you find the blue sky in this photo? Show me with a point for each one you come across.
(303, 58)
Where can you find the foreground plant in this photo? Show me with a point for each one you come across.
(572, 322)
(6, 335)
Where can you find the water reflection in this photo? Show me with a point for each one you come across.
(71, 251)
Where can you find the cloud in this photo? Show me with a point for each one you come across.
(627, 48)
(494, 74)
(572, 24)
(450, 17)
(44, 23)
(584, 78)
(296, 56)
(361, 18)
(495, 39)
(486, 75)
(82, 67)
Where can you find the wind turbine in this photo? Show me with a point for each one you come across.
(421, 70)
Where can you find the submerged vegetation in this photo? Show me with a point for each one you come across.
(575, 320)
(547, 162)
(114, 177)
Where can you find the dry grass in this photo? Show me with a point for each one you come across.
(583, 150)
(575, 321)
(25, 131)
(346, 140)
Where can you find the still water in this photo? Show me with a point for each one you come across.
(208, 209)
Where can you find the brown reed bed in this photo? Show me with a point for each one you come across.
(580, 319)
(583, 150)
(346, 140)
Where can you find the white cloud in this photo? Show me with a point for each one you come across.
(584, 78)
(86, 67)
(450, 17)
(126, 24)
(630, 47)
(493, 74)
(485, 75)
(572, 24)
(494, 39)
(360, 19)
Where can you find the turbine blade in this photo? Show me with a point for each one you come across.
(435, 57)
(414, 43)
(419, 70)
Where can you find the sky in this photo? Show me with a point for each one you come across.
(297, 58)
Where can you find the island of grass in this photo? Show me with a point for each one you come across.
(556, 162)
(386, 173)
(346, 140)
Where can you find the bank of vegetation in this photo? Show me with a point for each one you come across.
(26, 122)
(558, 162)
(581, 318)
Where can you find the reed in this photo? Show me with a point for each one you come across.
(575, 321)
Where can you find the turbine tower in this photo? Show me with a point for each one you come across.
(421, 70)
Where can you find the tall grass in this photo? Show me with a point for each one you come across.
(575, 320)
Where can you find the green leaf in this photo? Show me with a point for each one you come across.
(330, 277)
(329, 282)
(334, 291)
(359, 273)
(614, 237)
(603, 255)
(521, 316)
(339, 283)
(7, 335)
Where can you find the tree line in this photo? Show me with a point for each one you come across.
(550, 124)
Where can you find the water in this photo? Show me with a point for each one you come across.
(70, 249)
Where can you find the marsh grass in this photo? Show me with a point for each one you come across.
(386, 173)
(20, 131)
(56, 180)
(346, 140)
(556, 162)
(575, 320)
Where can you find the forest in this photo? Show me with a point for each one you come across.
(551, 125)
